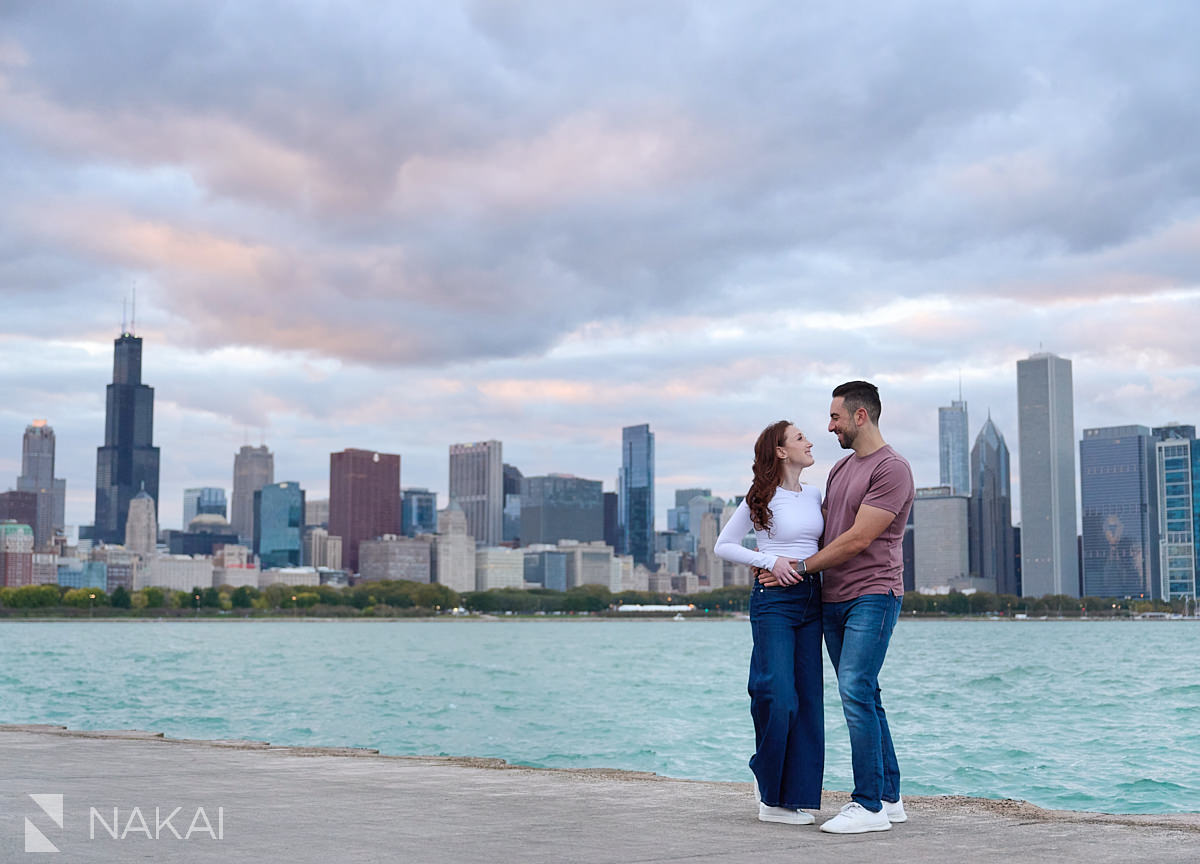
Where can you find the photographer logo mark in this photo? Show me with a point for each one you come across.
(52, 806)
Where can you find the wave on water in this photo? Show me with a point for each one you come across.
(987, 681)
(1147, 784)
(1179, 690)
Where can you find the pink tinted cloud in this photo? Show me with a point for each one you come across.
(224, 156)
(584, 155)
(135, 241)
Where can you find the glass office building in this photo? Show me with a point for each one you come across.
(418, 512)
(1178, 464)
(991, 532)
(561, 507)
(203, 500)
(953, 467)
(1119, 497)
(279, 525)
(636, 495)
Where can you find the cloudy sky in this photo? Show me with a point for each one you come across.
(398, 226)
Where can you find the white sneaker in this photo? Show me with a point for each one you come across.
(895, 810)
(784, 815)
(856, 819)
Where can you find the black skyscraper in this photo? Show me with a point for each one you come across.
(991, 533)
(128, 461)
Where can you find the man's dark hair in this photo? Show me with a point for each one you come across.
(860, 394)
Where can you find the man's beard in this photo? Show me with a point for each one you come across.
(846, 438)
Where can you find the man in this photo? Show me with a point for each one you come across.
(867, 499)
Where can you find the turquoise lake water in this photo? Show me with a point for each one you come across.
(1074, 715)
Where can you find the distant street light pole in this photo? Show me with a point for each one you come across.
(91, 602)
(197, 605)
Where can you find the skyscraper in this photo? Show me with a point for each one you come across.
(612, 525)
(677, 516)
(279, 524)
(1046, 429)
(454, 550)
(204, 499)
(1178, 463)
(253, 468)
(941, 553)
(952, 447)
(418, 514)
(636, 495)
(477, 484)
(19, 507)
(992, 555)
(561, 507)
(364, 499)
(511, 528)
(128, 461)
(1119, 499)
(141, 525)
(16, 555)
(37, 476)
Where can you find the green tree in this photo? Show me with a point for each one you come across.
(956, 603)
(307, 599)
(155, 597)
(587, 598)
(84, 598)
(120, 598)
(433, 596)
(242, 598)
(30, 597)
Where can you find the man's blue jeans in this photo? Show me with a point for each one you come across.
(857, 633)
(786, 694)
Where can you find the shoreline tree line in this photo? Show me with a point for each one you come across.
(417, 599)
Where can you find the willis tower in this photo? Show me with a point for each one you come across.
(128, 461)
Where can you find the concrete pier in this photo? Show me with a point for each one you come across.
(248, 801)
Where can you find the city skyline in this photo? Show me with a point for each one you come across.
(662, 489)
(706, 237)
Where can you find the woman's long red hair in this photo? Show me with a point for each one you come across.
(768, 471)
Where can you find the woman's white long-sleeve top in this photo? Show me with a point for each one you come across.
(796, 526)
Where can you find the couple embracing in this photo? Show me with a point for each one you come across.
(831, 568)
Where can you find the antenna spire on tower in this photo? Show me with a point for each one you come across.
(133, 317)
(124, 311)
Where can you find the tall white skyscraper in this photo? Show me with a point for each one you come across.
(141, 525)
(953, 452)
(1046, 430)
(477, 484)
(454, 549)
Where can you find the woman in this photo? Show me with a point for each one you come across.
(785, 666)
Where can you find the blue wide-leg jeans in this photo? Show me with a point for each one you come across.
(786, 698)
(857, 633)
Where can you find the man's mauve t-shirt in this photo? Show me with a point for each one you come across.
(884, 480)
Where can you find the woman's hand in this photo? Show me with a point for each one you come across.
(780, 574)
